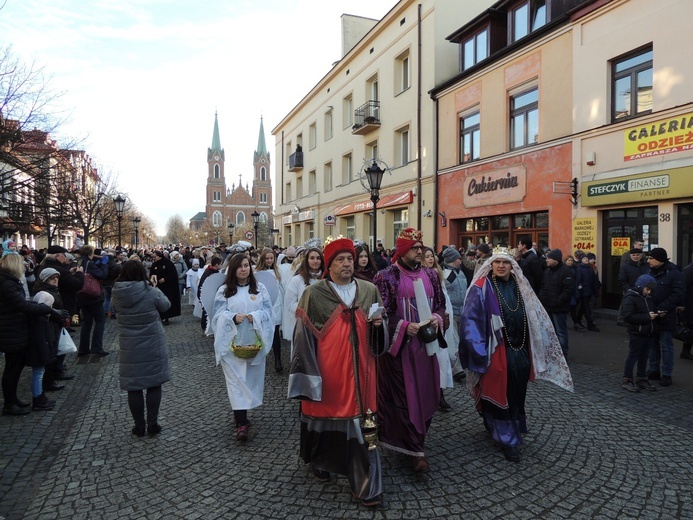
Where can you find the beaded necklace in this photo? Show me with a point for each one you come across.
(504, 303)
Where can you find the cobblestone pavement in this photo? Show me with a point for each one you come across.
(598, 453)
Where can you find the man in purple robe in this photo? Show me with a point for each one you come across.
(408, 377)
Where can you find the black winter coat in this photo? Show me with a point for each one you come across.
(688, 299)
(668, 294)
(557, 288)
(635, 311)
(68, 285)
(629, 273)
(586, 282)
(15, 311)
(43, 342)
(164, 268)
(531, 268)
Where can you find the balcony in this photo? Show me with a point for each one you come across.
(296, 161)
(366, 118)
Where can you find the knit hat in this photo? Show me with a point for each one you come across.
(406, 239)
(290, 252)
(635, 251)
(555, 254)
(336, 246)
(300, 250)
(196, 262)
(451, 254)
(646, 281)
(46, 273)
(484, 248)
(44, 297)
(591, 256)
(55, 249)
(659, 254)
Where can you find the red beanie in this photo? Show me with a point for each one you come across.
(334, 247)
(406, 239)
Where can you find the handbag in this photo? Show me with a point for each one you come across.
(91, 288)
(682, 332)
(65, 343)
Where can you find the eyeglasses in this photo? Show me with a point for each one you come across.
(417, 248)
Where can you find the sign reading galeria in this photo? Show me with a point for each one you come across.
(659, 138)
(585, 234)
(495, 187)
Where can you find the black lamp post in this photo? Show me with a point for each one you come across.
(256, 221)
(119, 202)
(374, 175)
(231, 226)
(136, 222)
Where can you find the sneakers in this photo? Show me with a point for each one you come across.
(242, 433)
(665, 381)
(629, 385)
(322, 476)
(643, 384)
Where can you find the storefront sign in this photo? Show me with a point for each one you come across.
(585, 234)
(659, 138)
(396, 199)
(665, 184)
(620, 245)
(495, 187)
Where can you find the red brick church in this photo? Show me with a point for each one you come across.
(236, 204)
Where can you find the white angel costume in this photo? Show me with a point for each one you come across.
(245, 378)
(192, 280)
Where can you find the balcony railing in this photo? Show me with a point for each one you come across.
(296, 161)
(366, 118)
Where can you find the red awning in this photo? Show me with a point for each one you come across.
(395, 199)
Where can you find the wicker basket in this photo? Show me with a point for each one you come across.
(245, 351)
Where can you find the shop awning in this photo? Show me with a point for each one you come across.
(395, 199)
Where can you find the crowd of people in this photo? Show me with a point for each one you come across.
(374, 337)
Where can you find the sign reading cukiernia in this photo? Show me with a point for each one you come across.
(659, 138)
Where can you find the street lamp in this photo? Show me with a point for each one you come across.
(374, 176)
(136, 222)
(119, 202)
(231, 226)
(256, 221)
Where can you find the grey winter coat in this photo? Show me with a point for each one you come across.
(143, 349)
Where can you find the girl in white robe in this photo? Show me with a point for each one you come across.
(192, 280)
(242, 316)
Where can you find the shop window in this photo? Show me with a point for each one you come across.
(470, 137)
(541, 220)
(501, 222)
(632, 85)
(524, 119)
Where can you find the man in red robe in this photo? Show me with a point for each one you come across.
(333, 373)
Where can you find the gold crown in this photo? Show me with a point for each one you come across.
(501, 250)
(330, 238)
(411, 234)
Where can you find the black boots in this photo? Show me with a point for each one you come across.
(278, 360)
(686, 351)
(444, 406)
(41, 403)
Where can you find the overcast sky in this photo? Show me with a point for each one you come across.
(141, 80)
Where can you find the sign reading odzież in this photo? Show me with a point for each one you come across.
(659, 138)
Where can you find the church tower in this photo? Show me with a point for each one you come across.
(216, 183)
(262, 185)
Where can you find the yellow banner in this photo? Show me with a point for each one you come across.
(658, 138)
(620, 245)
(585, 235)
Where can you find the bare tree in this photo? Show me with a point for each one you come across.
(176, 230)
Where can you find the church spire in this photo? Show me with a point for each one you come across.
(261, 146)
(216, 140)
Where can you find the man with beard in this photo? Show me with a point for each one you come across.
(408, 377)
(333, 373)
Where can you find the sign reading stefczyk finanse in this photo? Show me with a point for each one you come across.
(663, 184)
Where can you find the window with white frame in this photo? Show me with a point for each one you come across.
(348, 111)
(328, 124)
(402, 72)
(240, 218)
(470, 136)
(263, 198)
(347, 168)
(632, 84)
(475, 49)
(350, 223)
(372, 150)
(312, 136)
(263, 217)
(263, 173)
(328, 177)
(299, 187)
(312, 182)
(216, 218)
(402, 146)
(216, 196)
(524, 118)
(288, 151)
(287, 191)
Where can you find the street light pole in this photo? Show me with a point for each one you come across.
(119, 202)
(374, 175)
(256, 220)
(231, 226)
(136, 222)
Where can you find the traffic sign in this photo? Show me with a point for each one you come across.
(249, 235)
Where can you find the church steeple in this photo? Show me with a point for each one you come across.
(261, 146)
(216, 140)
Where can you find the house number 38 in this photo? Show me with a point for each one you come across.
(664, 217)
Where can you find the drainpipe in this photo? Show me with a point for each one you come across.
(418, 123)
(435, 177)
